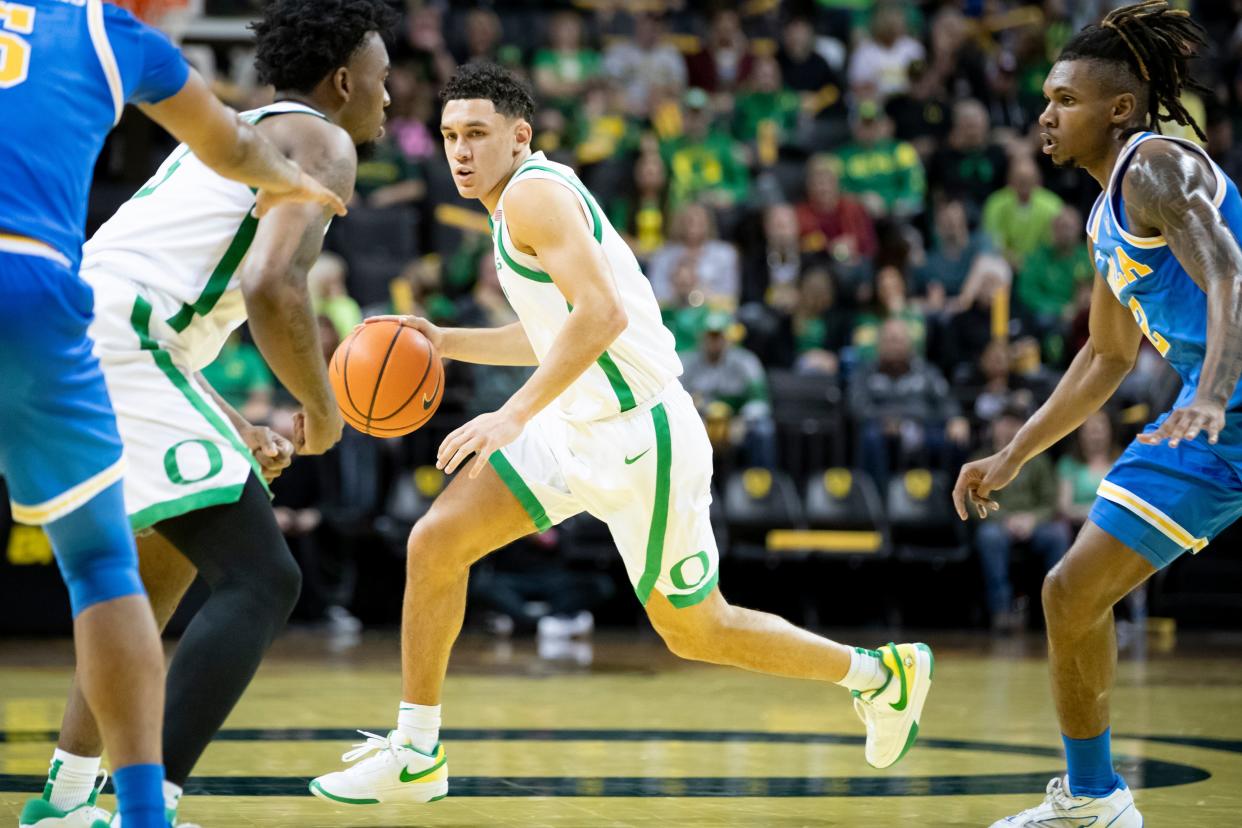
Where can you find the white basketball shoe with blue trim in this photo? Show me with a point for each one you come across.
(1061, 809)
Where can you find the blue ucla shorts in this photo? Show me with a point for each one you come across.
(59, 445)
(1163, 501)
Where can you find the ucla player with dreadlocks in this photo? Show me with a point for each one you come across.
(1163, 235)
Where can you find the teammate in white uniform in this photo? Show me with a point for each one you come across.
(179, 267)
(602, 426)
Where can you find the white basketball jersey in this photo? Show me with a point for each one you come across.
(182, 239)
(640, 362)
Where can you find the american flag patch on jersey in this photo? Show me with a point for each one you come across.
(498, 215)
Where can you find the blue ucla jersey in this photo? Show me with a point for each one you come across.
(67, 68)
(1145, 276)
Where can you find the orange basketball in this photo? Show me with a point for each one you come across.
(387, 378)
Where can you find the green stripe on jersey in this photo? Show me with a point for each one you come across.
(598, 225)
(659, 509)
(140, 319)
(219, 280)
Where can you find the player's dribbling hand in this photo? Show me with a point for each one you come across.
(273, 452)
(481, 436)
(316, 433)
(979, 479)
(308, 190)
(1185, 424)
(434, 333)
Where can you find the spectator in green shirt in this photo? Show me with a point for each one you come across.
(1081, 470)
(329, 297)
(704, 164)
(886, 174)
(562, 71)
(1018, 217)
(766, 101)
(730, 388)
(240, 375)
(685, 312)
(638, 212)
(1050, 276)
(891, 302)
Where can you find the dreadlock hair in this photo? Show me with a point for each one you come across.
(1156, 43)
(488, 81)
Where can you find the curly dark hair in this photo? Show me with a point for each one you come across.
(507, 92)
(299, 42)
(1155, 43)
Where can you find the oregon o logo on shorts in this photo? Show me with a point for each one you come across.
(172, 463)
(678, 577)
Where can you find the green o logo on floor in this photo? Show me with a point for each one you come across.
(678, 574)
(194, 459)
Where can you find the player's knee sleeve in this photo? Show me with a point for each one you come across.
(95, 551)
(279, 583)
(238, 548)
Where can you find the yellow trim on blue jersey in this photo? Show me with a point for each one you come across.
(66, 502)
(26, 246)
(1168, 527)
(1093, 221)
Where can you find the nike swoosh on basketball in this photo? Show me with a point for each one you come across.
(635, 458)
(427, 403)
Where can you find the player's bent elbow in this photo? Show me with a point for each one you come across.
(268, 287)
(615, 322)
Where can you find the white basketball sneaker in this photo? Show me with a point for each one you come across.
(1061, 809)
(891, 714)
(398, 772)
(39, 813)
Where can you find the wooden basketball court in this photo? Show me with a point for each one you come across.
(619, 733)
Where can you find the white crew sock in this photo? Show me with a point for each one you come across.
(72, 779)
(867, 671)
(420, 723)
(172, 796)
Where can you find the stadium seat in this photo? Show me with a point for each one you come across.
(844, 516)
(376, 244)
(809, 425)
(921, 519)
(756, 501)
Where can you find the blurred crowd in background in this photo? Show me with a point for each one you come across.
(865, 259)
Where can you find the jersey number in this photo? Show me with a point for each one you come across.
(1122, 271)
(15, 20)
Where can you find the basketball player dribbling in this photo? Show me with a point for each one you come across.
(602, 426)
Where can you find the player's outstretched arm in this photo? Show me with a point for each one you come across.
(273, 276)
(506, 345)
(236, 149)
(1170, 190)
(1093, 377)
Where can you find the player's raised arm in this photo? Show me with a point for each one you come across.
(1171, 191)
(236, 149)
(273, 276)
(1093, 376)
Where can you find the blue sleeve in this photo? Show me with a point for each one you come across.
(152, 68)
